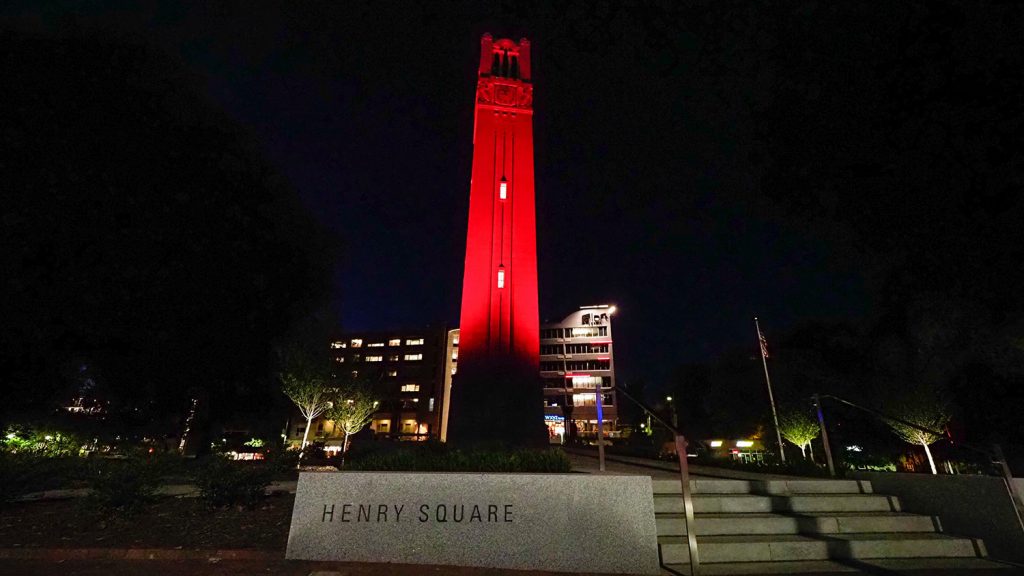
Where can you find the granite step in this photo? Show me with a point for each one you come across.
(770, 487)
(860, 566)
(792, 547)
(814, 523)
(754, 503)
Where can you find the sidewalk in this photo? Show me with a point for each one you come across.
(585, 460)
(242, 568)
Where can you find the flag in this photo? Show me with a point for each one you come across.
(764, 343)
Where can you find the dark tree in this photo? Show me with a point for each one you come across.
(144, 236)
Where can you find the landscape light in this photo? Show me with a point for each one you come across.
(668, 398)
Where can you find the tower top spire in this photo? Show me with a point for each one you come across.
(504, 58)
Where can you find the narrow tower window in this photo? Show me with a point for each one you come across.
(503, 189)
(501, 276)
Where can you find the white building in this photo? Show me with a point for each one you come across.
(576, 360)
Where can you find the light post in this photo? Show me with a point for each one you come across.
(672, 407)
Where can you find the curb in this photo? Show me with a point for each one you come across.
(61, 554)
(177, 490)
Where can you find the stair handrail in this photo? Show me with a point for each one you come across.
(995, 453)
(684, 481)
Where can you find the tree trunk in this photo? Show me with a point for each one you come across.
(305, 438)
(803, 452)
(344, 446)
(931, 461)
(810, 446)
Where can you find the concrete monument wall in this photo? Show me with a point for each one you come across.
(559, 522)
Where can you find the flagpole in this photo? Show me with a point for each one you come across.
(771, 397)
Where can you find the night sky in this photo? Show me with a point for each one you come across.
(639, 179)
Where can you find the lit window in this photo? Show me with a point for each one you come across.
(501, 277)
(392, 357)
(338, 344)
(381, 426)
(414, 356)
(374, 358)
(410, 387)
(454, 370)
(414, 342)
(430, 407)
(375, 345)
(355, 373)
(716, 443)
(584, 399)
(408, 426)
(395, 342)
(455, 354)
(339, 359)
(503, 189)
(456, 341)
(744, 443)
(357, 342)
(392, 373)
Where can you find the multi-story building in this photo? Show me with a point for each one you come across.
(577, 360)
(407, 370)
(451, 367)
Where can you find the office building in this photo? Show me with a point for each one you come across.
(577, 358)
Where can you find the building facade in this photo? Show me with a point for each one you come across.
(406, 370)
(577, 366)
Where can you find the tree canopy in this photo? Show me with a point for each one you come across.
(145, 237)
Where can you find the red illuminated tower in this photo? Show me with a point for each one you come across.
(499, 286)
(500, 331)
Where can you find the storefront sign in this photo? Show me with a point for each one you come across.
(558, 522)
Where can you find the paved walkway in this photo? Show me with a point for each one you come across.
(654, 468)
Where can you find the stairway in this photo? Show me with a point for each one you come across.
(791, 526)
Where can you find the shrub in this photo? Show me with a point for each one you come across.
(794, 467)
(432, 459)
(125, 485)
(24, 473)
(223, 482)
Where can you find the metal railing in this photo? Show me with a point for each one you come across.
(994, 453)
(684, 478)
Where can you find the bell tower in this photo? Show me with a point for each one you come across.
(499, 285)
(497, 394)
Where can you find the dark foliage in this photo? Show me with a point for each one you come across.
(23, 473)
(223, 482)
(145, 239)
(125, 486)
(439, 458)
